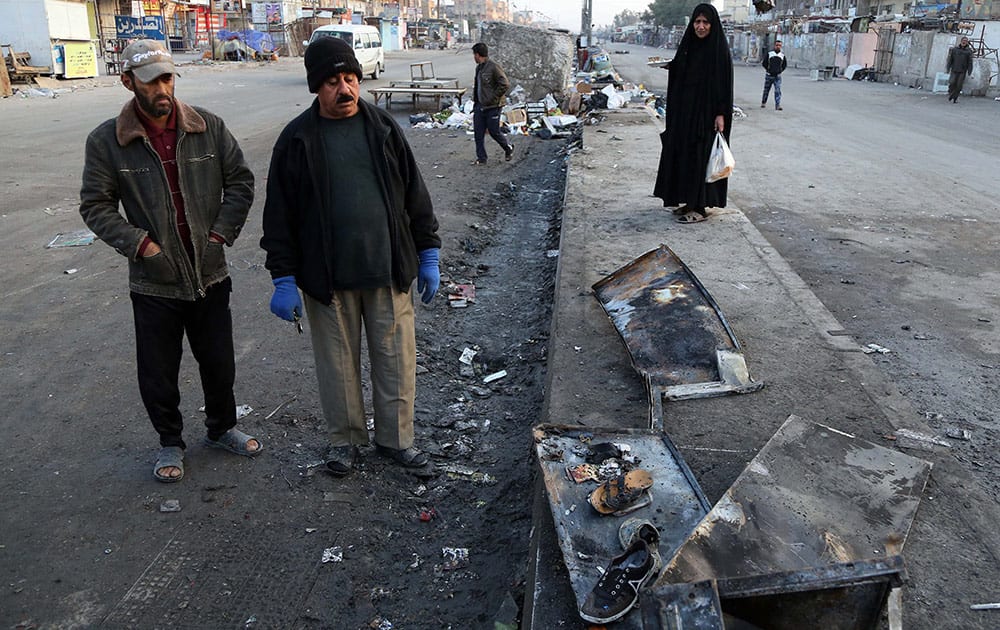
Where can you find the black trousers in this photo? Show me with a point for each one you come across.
(160, 326)
(484, 120)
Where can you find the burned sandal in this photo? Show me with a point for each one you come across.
(623, 494)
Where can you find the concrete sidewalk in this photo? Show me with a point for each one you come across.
(790, 340)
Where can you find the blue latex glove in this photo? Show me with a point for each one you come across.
(428, 274)
(286, 303)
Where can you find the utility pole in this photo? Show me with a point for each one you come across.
(587, 19)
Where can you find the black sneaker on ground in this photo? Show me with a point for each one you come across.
(408, 457)
(340, 459)
(618, 589)
(508, 152)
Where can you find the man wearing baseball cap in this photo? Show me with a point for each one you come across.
(349, 221)
(184, 190)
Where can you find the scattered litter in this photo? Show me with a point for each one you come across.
(268, 416)
(983, 320)
(874, 347)
(467, 355)
(582, 472)
(243, 411)
(370, 424)
(170, 505)
(252, 620)
(458, 303)
(72, 239)
(420, 491)
(495, 376)
(310, 530)
(465, 292)
(333, 554)
(380, 623)
(427, 515)
(994, 606)
(922, 438)
(70, 272)
(467, 474)
(455, 558)
(921, 337)
(552, 253)
(958, 434)
(337, 497)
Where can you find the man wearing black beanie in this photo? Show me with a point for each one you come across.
(349, 221)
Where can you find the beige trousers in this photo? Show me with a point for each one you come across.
(387, 316)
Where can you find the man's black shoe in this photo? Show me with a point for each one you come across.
(340, 459)
(618, 589)
(408, 457)
(508, 152)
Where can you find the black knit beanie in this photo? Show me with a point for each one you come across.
(326, 57)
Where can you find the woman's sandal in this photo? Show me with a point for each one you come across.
(691, 217)
(623, 494)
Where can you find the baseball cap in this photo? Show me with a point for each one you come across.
(147, 59)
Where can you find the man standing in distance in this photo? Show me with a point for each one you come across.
(185, 189)
(491, 86)
(774, 64)
(349, 220)
(959, 66)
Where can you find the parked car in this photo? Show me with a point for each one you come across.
(365, 40)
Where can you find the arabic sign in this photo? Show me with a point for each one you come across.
(81, 60)
(148, 27)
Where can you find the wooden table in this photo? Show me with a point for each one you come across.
(413, 92)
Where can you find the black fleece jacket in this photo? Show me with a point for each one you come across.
(296, 212)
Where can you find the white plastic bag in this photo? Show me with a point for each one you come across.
(720, 160)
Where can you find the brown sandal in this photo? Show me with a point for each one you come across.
(623, 494)
(691, 217)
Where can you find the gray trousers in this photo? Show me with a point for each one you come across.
(388, 320)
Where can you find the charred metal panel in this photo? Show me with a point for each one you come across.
(812, 497)
(675, 333)
(843, 596)
(682, 607)
(588, 540)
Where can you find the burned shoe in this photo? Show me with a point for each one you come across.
(618, 589)
(642, 529)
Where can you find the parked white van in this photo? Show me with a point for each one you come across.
(366, 42)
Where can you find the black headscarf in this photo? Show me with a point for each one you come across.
(709, 59)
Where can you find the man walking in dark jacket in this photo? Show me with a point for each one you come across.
(960, 66)
(774, 64)
(185, 189)
(491, 86)
(349, 221)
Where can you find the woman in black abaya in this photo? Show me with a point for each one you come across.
(699, 103)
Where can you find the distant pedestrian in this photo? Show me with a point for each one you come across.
(185, 190)
(491, 86)
(960, 66)
(774, 64)
(699, 104)
(349, 220)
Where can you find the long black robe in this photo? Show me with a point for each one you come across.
(699, 88)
